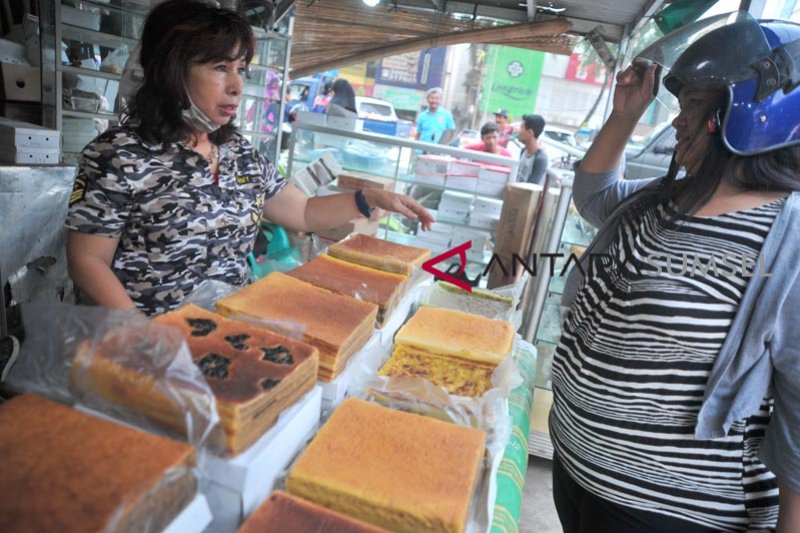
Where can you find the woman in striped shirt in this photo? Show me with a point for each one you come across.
(664, 417)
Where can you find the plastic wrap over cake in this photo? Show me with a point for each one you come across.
(119, 364)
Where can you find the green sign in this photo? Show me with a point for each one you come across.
(401, 98)
(511, 80)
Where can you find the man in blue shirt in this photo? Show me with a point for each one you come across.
(432, 122)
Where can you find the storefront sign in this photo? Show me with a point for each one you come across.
(512, 80)
(413, 70)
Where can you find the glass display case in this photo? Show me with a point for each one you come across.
(85, 45)
(571, 235)
(465, 195)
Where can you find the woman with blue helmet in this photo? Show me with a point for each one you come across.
(677, 377)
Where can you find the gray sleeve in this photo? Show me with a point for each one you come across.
(596, 194)
(539, 168)
(780, 451)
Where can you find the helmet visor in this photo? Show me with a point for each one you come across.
(716, 51)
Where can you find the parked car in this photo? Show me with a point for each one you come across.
(380, 116)
(650, 157)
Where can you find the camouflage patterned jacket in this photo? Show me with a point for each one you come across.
(176, 225)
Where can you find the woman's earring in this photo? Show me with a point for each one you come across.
(711, 126)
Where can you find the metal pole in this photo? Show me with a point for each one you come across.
(621, 58)
(540, 288)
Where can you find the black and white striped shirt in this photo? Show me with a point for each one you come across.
(631, 368)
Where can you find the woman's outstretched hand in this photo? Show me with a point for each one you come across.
(399, 203)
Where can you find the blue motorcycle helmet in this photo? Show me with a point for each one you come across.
(756, 62)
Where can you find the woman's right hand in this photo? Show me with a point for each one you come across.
(634, 90)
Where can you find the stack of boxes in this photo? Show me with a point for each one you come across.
(455, 207)
(486, 213)
(438, 238)
(432, 169)
(27, 144)
(463, 175)
(492, 180)
(20, 85)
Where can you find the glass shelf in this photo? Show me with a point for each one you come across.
(85, 114)
(76, 33)
(89, 72)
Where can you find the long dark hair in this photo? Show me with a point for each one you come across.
(177, 34)
(775, 171)
(343, 95)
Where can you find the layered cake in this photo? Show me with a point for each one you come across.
(337, 325)
(380, 254)
(478, 302)
(368, 284)
(456, 350)
(289, 514)
(66, 471)
(404, 472)
(253, 373)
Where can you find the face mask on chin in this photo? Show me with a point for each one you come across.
(195, 118)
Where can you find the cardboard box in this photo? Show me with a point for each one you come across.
(25, 135)
(21, 83)
(22, 111)
(29, 156)
(359, 225)
(517, 219)
(362, 180)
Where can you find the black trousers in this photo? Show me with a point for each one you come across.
(583, 512)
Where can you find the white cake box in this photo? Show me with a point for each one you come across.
(491, 188)
(495, 174)
(452, 198)
(238, 485)
(434, 241)
(458, 216)
(488, 207)
(484, 222)
(464, 168)
(432, 165)
(29, 156)
(441, 227)
(25, 135)
(465, 183)
(436, 180)
(195, 517)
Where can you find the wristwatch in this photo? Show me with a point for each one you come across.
(363, 207)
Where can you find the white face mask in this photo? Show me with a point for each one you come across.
(195, 118)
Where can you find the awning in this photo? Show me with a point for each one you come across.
(331, 34)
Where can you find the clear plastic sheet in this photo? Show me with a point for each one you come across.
(209, 292)
(159, 506)
(119, 364)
